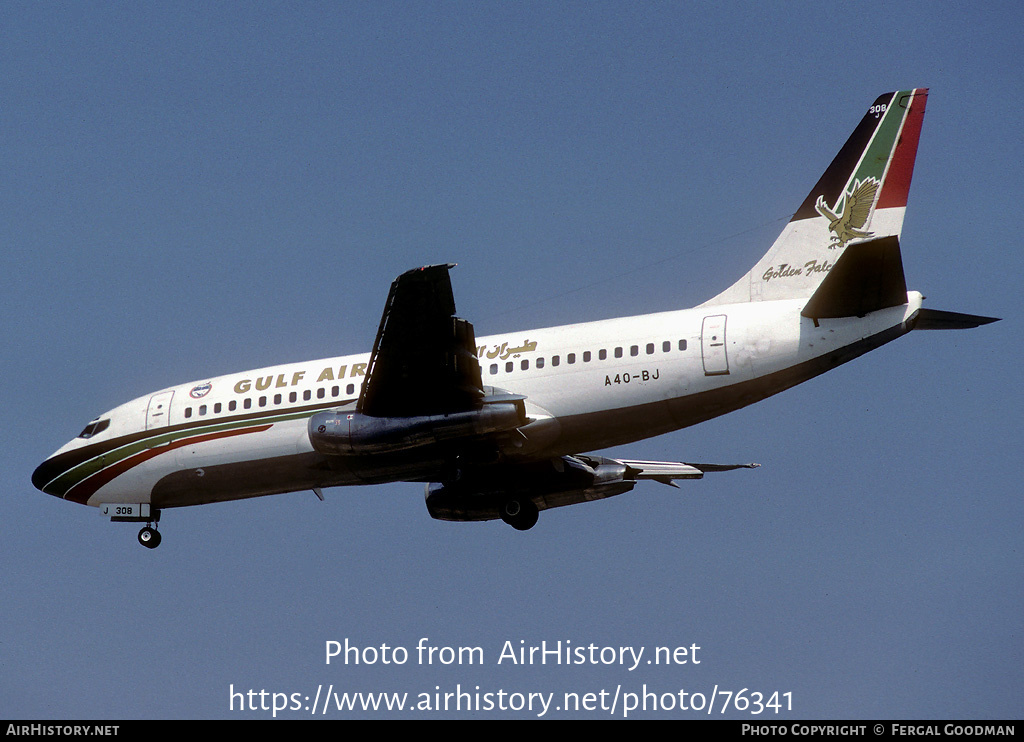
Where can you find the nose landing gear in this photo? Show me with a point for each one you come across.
(149, 537)
(136, 512)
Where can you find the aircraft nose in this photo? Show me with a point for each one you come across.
(46, 472)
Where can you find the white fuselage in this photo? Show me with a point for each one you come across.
(587, 386)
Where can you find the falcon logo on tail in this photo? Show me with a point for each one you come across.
(856, 209)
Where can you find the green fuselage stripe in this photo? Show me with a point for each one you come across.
(109, 457)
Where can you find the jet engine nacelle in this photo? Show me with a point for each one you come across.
(334, 432)
(548, 484)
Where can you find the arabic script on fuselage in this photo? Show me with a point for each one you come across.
(504, 352)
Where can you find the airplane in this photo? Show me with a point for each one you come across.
(505, 426)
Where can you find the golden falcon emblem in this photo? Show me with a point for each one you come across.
(856, 210)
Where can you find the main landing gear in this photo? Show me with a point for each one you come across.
(520, 513)
(149, 537)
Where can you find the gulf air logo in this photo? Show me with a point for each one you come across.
(200, 390)
(856, 210)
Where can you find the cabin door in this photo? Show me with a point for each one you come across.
(159, 412)
(712, 346)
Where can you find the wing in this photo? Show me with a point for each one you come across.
(488, 493)
(666, 471)
(424, 357)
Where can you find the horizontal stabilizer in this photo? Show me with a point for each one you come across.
(867, 277)
(936, 319)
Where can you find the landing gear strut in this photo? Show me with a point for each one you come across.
(520, 513)
(149, 537)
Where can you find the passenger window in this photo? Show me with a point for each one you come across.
(335, 391)
(232, 405)
(634, 350)
(216, 409)
(618, 352)
(494, 369)
(307, 394)
(350, 389)
(571, 358)
(682, 345)
(525, 365)
(188, 413)
(602, 354)
(650, 349)
(554, 360)
(277, 399)
(666, 346)
(248, 403)
(586, 356)
(320, 393)
(263, 401)
(540, 363)
(202, 409)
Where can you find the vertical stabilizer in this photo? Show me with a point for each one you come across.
(861, 196)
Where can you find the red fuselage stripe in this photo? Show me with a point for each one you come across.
(85, 489)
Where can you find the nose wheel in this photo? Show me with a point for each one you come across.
(149, 537)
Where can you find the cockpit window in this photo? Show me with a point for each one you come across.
(96, 426)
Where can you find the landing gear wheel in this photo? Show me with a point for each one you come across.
(520, 513)
(149, 537)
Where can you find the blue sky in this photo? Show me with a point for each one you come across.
(198, 189)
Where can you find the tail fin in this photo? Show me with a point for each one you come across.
(861, 196)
